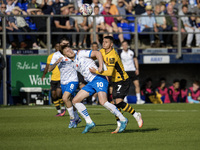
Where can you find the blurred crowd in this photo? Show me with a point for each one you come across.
(73, 21)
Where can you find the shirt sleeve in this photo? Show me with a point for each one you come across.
(84, 53)
(134, 56)
(54, 59)
(49, 59)
(102, 20)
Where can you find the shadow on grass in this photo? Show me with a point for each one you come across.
(97, 125)
(130, 130)
(141, 130)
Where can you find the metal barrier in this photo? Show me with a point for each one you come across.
(49, 33)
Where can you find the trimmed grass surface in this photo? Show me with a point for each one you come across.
(167, 126)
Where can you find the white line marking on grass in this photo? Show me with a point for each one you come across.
(156, 110)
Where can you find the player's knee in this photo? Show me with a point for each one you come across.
(54, 96)
(101, 102)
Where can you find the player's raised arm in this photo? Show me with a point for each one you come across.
(51, 67)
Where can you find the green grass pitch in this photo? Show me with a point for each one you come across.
(166, 127)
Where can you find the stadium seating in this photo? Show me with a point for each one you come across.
(124, 26)
(132, 27)
(130, 18)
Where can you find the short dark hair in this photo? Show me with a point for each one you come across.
(162, 79)
(64, 39)
(124, 41)
(63, 47)
(96, 6)
(197, 82)
(176, 80)
(110, 38)
(184, 6)
(94, 43)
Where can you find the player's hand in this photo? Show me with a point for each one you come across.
(93, 70)
(137, 72)
(100, 69)
(59, 60)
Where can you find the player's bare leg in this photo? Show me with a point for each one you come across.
(71, 110)
(82, 94)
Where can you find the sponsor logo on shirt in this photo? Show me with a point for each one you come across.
(112, 60)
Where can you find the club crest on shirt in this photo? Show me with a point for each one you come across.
(112, 60)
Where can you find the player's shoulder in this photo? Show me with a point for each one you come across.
(50, 56)
(102, 50)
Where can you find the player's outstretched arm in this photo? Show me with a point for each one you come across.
(108, 72)
(51, 67)
(45, 71)
(99, 57)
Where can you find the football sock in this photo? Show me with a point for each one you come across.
(138, 96)
(57, 105)
(113, 109)
(59, 111)
(61, 102)
(93, 98)
(126, 107)
(76, 116)
(83, 111)
(63, 107)
(71, 112)
(135, 114)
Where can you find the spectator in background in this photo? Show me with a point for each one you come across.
(194, 93)
(175, 6)
(123, 7)
(148, 24)
(163, 8)
(131, 66)
(8, 26)
(185, 2)
(62, 24)
(183, 90)
(160, 21)
(110, 23)
(174, 92)
(185, 20)
(83, 27)
(19, 24)
(162, 89)
(113, 9)
(139, 8)
(10, 5)
(58, 6)
(47, 8)
(193, 27)
(73, 23)
(150, 95)
(100, 25)
(97, 3)
(2, 66)
(34, 5)
(21, 38)
(41, 26)
(172, 25)
(196, 9)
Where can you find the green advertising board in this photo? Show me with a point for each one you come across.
(26, 71)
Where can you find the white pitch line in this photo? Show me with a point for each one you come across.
(157, 110)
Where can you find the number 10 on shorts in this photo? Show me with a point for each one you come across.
(99, 84)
